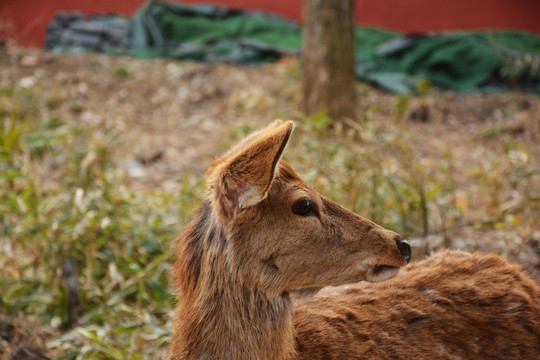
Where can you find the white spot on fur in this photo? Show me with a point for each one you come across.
(431, 294)
(250, 196)
(381, 275)
(363, 267)
(512, 307)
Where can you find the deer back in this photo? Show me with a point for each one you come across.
(451, 306)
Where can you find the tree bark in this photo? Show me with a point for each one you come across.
(328, 58)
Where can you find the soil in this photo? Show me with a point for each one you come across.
(169, 119)
(174, 118)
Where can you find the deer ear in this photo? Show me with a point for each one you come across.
(243, 176)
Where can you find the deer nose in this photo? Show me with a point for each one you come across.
(404, 249)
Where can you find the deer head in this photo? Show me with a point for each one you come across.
(284, 236)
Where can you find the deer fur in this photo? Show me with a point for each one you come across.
(253, 243)
(452, 305)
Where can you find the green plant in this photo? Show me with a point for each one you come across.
(121, 72)
(119, 237)
(12, 125)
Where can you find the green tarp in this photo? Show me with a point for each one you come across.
(490, 61)
(212, 34)
(457, 61)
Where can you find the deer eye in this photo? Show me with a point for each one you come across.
(304, 207)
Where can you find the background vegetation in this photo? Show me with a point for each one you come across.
(102, 160)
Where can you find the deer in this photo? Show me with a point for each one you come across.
(263, 236)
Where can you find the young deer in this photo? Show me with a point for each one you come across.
(263, 234)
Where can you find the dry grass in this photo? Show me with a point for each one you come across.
(102, 160)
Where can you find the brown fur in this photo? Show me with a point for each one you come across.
(451, 306)
(245, 252)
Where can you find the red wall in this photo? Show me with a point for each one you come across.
(26, 20)
(436, 15)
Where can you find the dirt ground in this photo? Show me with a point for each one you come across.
(174, 118)
(169, 119)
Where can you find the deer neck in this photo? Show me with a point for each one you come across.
(219, 316)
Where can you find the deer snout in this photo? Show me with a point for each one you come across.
(404, 249)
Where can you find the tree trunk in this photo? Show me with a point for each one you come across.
(328, 58)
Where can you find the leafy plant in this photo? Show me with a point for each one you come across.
(120, 239)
